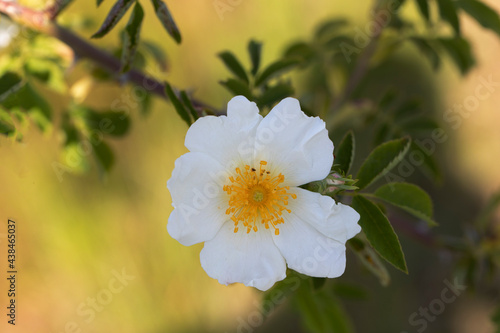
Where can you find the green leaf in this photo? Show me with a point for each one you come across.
(423, 6)
(448, 13)
(113, 123)
(300, 52)
(408, 197)
(255, 50)
(234, 65)
(181, 110)
(460, 51)
(237, 87)
(275, 94)
(103, 155)
(275, 69)
(379, 232)
(430, 168)
(28, 100)
(428, 51)
(187, 102)
(483, 14)
(381, 160)
(10, 83)
(344, 155)
(281, 290)
(321, 312)
(114, 16)
(166, 19)
(157, 52)
(329, 28)
(131, 37)
(99, 2)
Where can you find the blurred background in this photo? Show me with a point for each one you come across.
(77, 233)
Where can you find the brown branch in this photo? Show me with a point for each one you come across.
(42, 21)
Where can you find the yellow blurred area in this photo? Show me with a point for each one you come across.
(76, 234)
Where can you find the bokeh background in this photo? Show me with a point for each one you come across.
(75, 235)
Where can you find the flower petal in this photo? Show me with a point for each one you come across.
(197, 197)
(229, 139)
(251, 259)
(294, 144)
(308, 251)
(334, 220)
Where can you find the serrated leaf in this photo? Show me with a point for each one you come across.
(131, 37)
(114, 16)
(483, 14)
(237, 87)
(460, 52)
(275, 69)
(423, 6)
(103, 155)
(428, 51)
(255, 50)
(166, 19)
(344, 155)
(321, 311)
(381, 160)
(408, 197)
(234, 65)
(448, 13)
(274, 94)
(181, 110)
(379, 232)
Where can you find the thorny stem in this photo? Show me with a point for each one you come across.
(43, 21)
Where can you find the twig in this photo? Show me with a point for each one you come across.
(42, 21)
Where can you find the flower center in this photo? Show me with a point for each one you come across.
(255, 195)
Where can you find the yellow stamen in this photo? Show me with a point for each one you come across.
(256, 195)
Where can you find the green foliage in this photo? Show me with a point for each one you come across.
(166, 20)
(114, 16)
(344, 155)
(255, 50)
(234, 65)
(496, 319)
(381, 160)
(321, 311)
(423, 6)
(408, 197)
(379, 232)
(483, 14)
(274, 70)
(448, 13)
(185, 111)
(460, 52)
(131, 37)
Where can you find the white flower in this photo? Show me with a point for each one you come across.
(237, 191)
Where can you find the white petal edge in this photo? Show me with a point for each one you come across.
(251, 259)
(228, 139)
(334, 220)
(308, 251)
(197, 197)
(294, 144)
